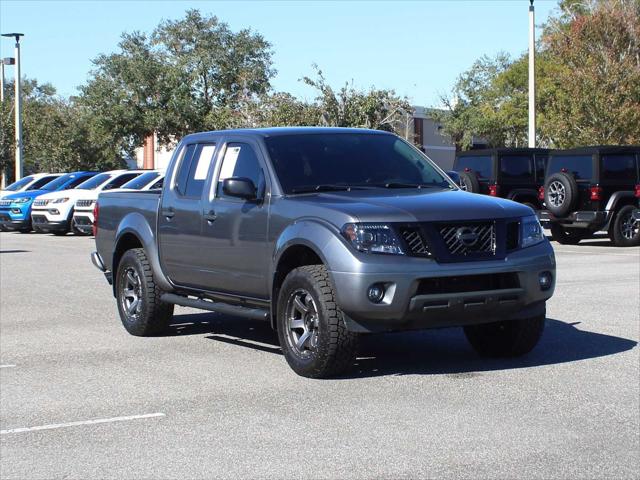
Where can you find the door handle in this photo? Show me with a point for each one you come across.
(210, 216)
(168, 212)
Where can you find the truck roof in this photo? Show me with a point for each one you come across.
(279, 131)
(502, 151)
(598, 149)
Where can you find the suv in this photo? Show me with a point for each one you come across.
(326, 233)
(513, 173)
(591, 189)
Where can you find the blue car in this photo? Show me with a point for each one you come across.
(15, 209)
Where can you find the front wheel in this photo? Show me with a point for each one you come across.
(626, 229)
(509, 338)
(141, 310)
(311, 329)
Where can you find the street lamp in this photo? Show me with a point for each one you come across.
(18, 100)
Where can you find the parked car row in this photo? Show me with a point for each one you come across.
(576, 192)
(58, 203)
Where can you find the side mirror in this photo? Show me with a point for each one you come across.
(453, 175)
(239, 187)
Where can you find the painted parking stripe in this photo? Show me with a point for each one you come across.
(596, 253)
(83, 422)
(7, 366)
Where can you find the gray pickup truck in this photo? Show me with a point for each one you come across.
(327, 233)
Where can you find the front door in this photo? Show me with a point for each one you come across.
(235, 255)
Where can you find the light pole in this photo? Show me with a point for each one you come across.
(2, 82)
(532, 76)
(18, 105)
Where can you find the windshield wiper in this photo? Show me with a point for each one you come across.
(326, 188)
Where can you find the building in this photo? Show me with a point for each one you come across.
(426, 133)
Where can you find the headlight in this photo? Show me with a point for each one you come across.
(530, 231)
(372, 238)
(61, 200)
(22, 200)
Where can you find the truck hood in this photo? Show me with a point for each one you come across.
(26, 194)
(72, 194)
(410, 205)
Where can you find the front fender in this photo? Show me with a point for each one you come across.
(136, 224)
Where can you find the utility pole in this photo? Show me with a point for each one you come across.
(532, 76)
(18, 104)
(2, 82)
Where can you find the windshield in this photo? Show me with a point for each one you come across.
(318, 161)
(580, 166)
(57, 183)
(94, 182)
(480, 164)
(15, 186)
(141, 181)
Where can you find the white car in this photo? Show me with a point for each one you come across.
(53, 212)
(30, 182)
(83, 209)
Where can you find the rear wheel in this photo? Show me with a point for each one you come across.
(141, 310)
(568, 236)
(625, 231)
(509, 338)
(469, 182)
(311, 329)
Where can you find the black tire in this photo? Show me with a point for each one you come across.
(560, 193)
(469, 182)
(330, 349)
(568, 236)
(59, 233)
(150, 315)
(625, 231)
(509, 338)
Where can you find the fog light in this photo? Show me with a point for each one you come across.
(376, 293)
(16, 210)
(545, 279)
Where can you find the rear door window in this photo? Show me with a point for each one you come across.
(199, 169)
(481, 164)
(620, 167)
(580, 166)
(516, 167)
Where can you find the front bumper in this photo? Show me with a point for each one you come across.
(14, 221)
(591, 220)
(83, 223)
(409, 303)
(42, 224)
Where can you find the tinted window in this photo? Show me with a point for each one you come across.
(202, 158)
(141, 181)
(619, 167)
(303, 161)
(158, 185)
(78, 181)
(579, 165)
(240, 160)
(541, 165)
(120, 180)
(15, 186)
(183, 170)
(517, 167)
(481, 164)
(94, 182)
(42, 182)
(54, 185)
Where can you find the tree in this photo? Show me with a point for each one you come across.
(348, 107)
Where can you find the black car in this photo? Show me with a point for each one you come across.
(590, 189)
(513, 173)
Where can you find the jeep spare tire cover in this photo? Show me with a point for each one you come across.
(560, 193)
(469, 182)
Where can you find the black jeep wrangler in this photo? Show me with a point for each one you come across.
(513, 173)
(590, 189)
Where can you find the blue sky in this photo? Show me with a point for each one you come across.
(417, 48)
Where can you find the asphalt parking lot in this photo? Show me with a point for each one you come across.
(80, 398)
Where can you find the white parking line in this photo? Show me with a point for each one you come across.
(7, 366)
(84, 422)
(557, 252)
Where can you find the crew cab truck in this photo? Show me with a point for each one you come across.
(513, 173)
(590, 189)
(327, 233)
(82, 221)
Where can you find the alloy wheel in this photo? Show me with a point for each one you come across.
(131, 296)
(630, 227)
(557, 193)
(303, 322)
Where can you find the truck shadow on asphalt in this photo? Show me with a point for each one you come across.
(426, 352)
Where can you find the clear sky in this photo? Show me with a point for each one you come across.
(417, 48)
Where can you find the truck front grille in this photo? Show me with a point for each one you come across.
(41, 203)
(465, 239)
(5, 203)
(415, 241)
(84, 203)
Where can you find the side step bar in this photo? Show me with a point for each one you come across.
(252, 313)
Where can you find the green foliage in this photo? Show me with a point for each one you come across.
(587, 77)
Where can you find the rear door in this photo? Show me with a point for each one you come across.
(235, 253)
(180, 213)
(581, 167)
